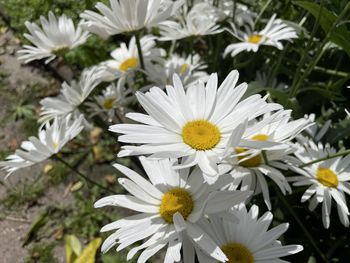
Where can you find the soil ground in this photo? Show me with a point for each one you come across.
(15, 225)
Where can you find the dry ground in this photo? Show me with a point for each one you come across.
(14, 226)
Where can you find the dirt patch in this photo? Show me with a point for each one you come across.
(15, 225)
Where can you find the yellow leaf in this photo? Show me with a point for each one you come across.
(73, 248)
(97, 150)
(47, 168)
(95, 134)
(3, 29)
(76, 186)
(89, 253)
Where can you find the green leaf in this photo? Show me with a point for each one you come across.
(89, 253)
(73, 248)
(279, 96)
(38, 223)
(340, 35)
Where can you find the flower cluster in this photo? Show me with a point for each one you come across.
(208, 148)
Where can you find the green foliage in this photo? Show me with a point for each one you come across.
(57, 174)
(4, 153)
(21, 11)
(24, 193)
(88, 55)
(82, 217)
(117, 257)
(23, 111)
(39, 222)
(340, 35)
(41, 253)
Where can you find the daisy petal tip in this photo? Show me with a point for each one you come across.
(104, 229)
(102, 202)
(130, 255)
(179, 222)
(298, 248)
(98, 204)
(123, 153)
(121, 181)
(119, 248)
(113, 128)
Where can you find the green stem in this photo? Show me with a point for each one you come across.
(332, 72)
(326, 158)
(337, 244)
(311, 66)
(84, 177)
(139, 49)
(282, 55)
(300, 223)
(305, 54)
(172, 48)
(262, 11)
(319, 51)
(273, 73)
(263, 153)
(191, 47)
(234, 6)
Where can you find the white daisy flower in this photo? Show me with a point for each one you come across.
(128, 16)
(198, 123)
(276, 129)
(50, 141)
(193, 23)
(274, 32)
(206, 8)
(114, 98)
(126, 58)
(314, 131)
(242, 16)
(327, 180)
(56, 37)
(225, 9)
(71, 96)
(189, 69)
(169, 197)
(249, 168)
(262, 80)
(247, 240)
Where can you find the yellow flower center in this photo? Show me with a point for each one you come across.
(176, 200)
(201, 135)
(237, 253)
(183, 68)
(254, 39)
(108, 103)
(55, 145)
(327, 177)
(260, 137)
(127, 64)
(256, 160)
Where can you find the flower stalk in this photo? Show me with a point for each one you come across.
(300, 223)
(81, 175)
(139, 50)
(326, 158)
